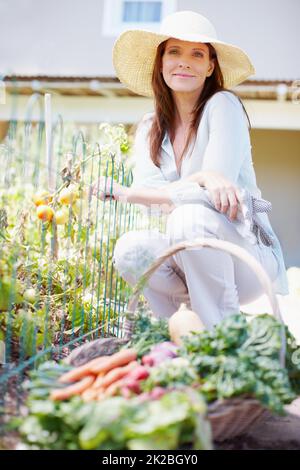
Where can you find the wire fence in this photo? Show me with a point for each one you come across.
(58, 285)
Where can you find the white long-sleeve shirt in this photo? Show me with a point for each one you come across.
(222, 144)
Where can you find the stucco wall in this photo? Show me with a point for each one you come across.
(64, 37)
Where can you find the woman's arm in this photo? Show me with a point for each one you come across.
(147, 196)
(220, 189)
(223, 193)
(229, 141)
(161, 195)
(166, 195)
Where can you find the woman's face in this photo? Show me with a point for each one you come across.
(185, 65)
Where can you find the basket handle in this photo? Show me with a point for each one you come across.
(229, 247)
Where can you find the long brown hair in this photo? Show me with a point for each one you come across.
(164, 115)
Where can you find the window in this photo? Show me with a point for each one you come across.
(119, 15)
(141, 12)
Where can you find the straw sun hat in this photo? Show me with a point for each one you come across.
(135, 50)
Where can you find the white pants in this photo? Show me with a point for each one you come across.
(211, 282)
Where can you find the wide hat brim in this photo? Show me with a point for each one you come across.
(135, 50)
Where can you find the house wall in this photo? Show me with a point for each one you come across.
(276, 157)
(254, 26)
(64, 37)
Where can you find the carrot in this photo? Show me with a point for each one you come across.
(89, 394)
(74, 389)
(114, 388)
(118, 359)
(114, 375)
(100, 396)
(99, 379)
(81, 371)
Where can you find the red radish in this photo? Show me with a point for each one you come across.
(167, 347)
(125, 392)
(144, 397)
(148, 360)
(157, 392)
(160, 353)
(139, 373)
(132, 385)
(155, 358)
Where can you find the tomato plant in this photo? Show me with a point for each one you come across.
(56, 245)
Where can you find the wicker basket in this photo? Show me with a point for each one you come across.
(232, 417)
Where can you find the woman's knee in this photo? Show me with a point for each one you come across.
(188, 221)
(134, 252)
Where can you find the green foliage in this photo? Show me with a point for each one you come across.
(69, 265)
(147, 332)
(240, 358)
(174, 420)
(176, 372)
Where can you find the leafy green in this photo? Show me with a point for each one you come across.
(147, 332)
(237, 358)
(240, 358)
(176, 419)
(171, 373)
(44, 379)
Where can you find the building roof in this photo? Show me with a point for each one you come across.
(106, 86)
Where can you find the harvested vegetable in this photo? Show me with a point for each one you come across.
(71, 390)
(112, 390)
(170, 348)
(99, 380)
(160, 353)
(182, 323)
(129, 383)
(93, 373)
(155, 394)
(104, 380)
(89, 394)
(138, 373)
(239, 358)
(148, 331)
(81, 371)
(176, 372)
(121, 358)
(172, 421)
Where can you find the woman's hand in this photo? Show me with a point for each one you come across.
(224, 195)
(107, 187)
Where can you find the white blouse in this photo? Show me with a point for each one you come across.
(222, 144)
